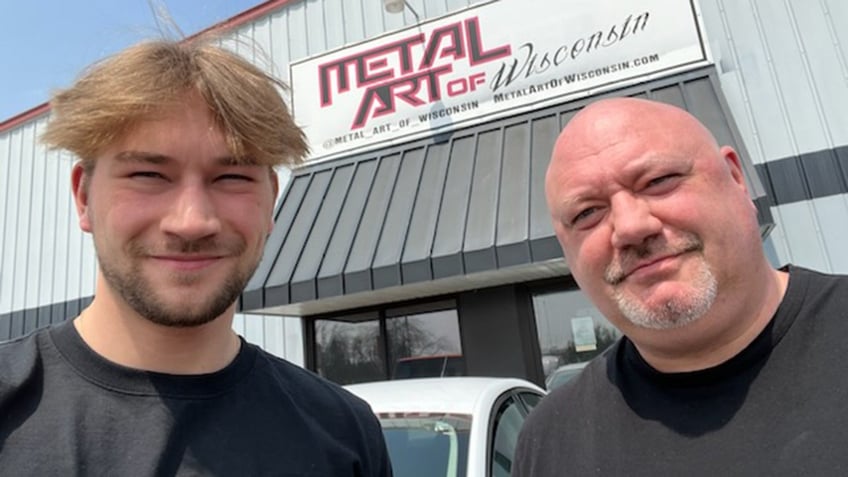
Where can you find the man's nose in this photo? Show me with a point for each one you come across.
(193, 215)
(632, 220)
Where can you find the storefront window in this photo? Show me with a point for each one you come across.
(571, 331)
(425, 344)
(349, 352)
(421, 340)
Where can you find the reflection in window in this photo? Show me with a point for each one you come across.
(425, 344)
(570, 330)
(508, 421)
(349, 352)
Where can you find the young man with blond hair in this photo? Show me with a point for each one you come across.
(177, 144)
(727, 366)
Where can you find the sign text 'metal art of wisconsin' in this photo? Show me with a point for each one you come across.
(485, 62)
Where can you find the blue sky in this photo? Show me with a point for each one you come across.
(45, 44)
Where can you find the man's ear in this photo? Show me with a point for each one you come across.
(79, 187)
(735, 166)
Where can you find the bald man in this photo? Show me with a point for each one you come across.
(726, 365)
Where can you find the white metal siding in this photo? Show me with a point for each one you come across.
(784, 71)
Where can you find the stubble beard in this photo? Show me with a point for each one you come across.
(141, 295)
(680, 310)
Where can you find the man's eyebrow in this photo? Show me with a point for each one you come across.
(142, 157)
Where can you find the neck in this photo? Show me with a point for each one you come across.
(116, 332)
(720, 335)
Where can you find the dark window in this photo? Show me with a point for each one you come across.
(349, 352)
(409, 342)
(507, 422)
(571, 331)
(425, 345)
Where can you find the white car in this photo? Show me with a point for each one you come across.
(452, 427)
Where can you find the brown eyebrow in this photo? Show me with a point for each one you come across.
(158, 159)
(141, 156)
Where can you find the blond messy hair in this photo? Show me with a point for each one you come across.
(138, 83)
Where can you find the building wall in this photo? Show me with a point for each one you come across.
(783, 69)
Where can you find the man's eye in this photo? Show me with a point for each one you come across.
(583, 216)
(662, 179)
(147, 174)
(235, 177)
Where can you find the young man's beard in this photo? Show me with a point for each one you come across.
(136, 290)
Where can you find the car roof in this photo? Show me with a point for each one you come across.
(459, 395)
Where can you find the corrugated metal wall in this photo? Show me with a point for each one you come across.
(785, 74)
(783, 70)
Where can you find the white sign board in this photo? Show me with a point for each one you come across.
(488, 61)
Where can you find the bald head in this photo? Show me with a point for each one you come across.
(605, 123)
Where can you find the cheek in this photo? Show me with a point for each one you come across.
(251, 219)
(587, 256)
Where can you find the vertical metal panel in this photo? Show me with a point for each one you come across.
(386, 265)
(238, 324)
(279, 43)
(289, 254)
(335, 34)
(252, 296)
(33, 154)
(10, 296)
(17, 328)
(298, 41)
(545, 132)
(66, 226)
(351, 18)
(834, 231)
(293, 335)
(745, 47)
(670, 94)
(796, 94)
(822, 173)
(372, 18)
(5, 326)
(790, 60)
(254, 332)
(338, 250)
(5, 228)
(824, 66)
(514, 210)
(450, 228)
(57, 313)
(357, 273)
(44, 316)
(415, 262)
(49, 249)
(303, 286)
(316, 26)
(480, 227)
(800, 227)
(272, 332)
(30, 320)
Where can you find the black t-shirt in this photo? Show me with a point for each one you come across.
(65, 410)
(779, 407)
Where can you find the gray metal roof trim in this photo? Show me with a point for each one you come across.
(391, 229)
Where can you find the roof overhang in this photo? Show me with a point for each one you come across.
(450, 213)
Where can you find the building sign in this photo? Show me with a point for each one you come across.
(485, 62)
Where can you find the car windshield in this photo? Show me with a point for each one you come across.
(427, 445)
